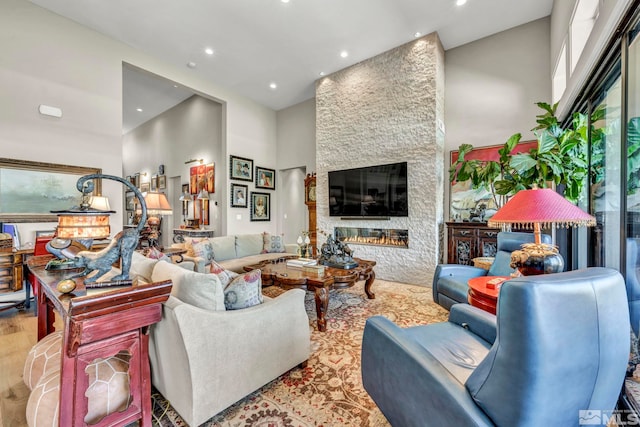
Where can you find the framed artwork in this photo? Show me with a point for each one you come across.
(144, 187)
(240, 168)
(23, 182)
(265, 178)
(463, 199)
(260, 207)
(239, 195)
(154, 183)
(162, 182)
(185, 188)
(193, 180)
(130, 198)
(136, 180)
(210, 178)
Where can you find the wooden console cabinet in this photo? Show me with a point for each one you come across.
(11, 269)
(468, 240)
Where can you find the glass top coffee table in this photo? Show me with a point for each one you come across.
(276, 272)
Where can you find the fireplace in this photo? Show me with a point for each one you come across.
(392, 237)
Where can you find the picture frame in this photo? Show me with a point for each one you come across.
(240, 168)
(130, 199)
(154, 183)
(185, 188)
(34, 179)
(136, 180)
(239, 197)
(265, 178)
(260, 207)
(144, 187)
(162, 182)
(462, 196)
(210, 178)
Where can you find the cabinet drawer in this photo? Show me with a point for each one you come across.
(6, 258)
(6, 272)
(463, 232)
(488, 234)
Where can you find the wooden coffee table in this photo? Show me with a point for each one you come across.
(276, 272)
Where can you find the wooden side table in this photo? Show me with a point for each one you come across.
(99, 323)
(484, 290)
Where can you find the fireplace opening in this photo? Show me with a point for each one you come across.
(392, 237)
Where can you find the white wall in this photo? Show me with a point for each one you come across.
(52, 60)
(492, 85)
(189, 130)
(296, 130)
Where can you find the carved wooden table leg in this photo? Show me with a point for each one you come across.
(368, 283)
(322, 305)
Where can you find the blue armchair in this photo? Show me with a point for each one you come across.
(450, 280)
(559, 345)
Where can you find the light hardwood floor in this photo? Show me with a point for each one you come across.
(18, 333)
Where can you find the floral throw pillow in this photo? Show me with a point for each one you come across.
(225, 276)
(203, 249)
(272, 243)
(244, 291)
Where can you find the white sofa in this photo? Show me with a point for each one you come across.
(204, 359)
(234, 252)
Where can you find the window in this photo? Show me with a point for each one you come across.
(559, 82)
(584, 17)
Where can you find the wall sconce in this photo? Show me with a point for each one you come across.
(194, 160)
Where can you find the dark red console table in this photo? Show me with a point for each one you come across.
(99, 323)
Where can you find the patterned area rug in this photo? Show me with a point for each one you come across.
(328, 392)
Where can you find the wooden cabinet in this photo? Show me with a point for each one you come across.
(310, 201)
(468, 240)
(11, 271)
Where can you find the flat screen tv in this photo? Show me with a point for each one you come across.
(372, 191)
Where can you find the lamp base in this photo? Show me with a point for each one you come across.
(534, 259)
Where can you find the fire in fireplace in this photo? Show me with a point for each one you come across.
(373, 236)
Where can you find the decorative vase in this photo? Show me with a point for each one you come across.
(534, 259)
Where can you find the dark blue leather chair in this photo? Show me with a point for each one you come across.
(559, 345)
(633, 285)
(450, 280)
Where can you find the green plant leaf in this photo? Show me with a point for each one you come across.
(546, 142)
(522, 162)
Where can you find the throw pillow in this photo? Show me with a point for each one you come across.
(272, 243)
(203, 249)
(225, 276)
(198, 289)
(244, 291)
(155, 253)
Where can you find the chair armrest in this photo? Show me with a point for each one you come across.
(478, 321)
(466, 271)
(408, 383)
(199, 263)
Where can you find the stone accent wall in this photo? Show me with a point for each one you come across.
(386, 109)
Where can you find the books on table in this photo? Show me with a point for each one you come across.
(301, 262)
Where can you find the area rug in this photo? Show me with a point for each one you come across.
(328, 392)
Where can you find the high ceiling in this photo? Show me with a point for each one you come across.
(259, 42)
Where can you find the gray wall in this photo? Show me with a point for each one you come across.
(190, 130)
(384, 110)
(492, 85)
(296, 146)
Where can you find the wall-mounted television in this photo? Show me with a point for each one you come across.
(372, 191)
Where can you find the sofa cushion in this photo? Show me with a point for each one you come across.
(272, 243)
(204, 249)
(225, 276)
(141, 267)
(224, 247)
(244, 291)
(248, 244)
(198, 289)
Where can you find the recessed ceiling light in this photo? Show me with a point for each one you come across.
(273, 85)
(191, 64)
(322, 73)
(139, 110)
(460, 2)
(417, 34)
(208, 51)
(284, 1)
(344, 54)
(175, 86)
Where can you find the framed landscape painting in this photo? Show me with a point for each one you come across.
(464, 200)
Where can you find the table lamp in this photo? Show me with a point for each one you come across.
(185, 198)
(157, 204)
(535, 209)
(203, 196)
(84, 221)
